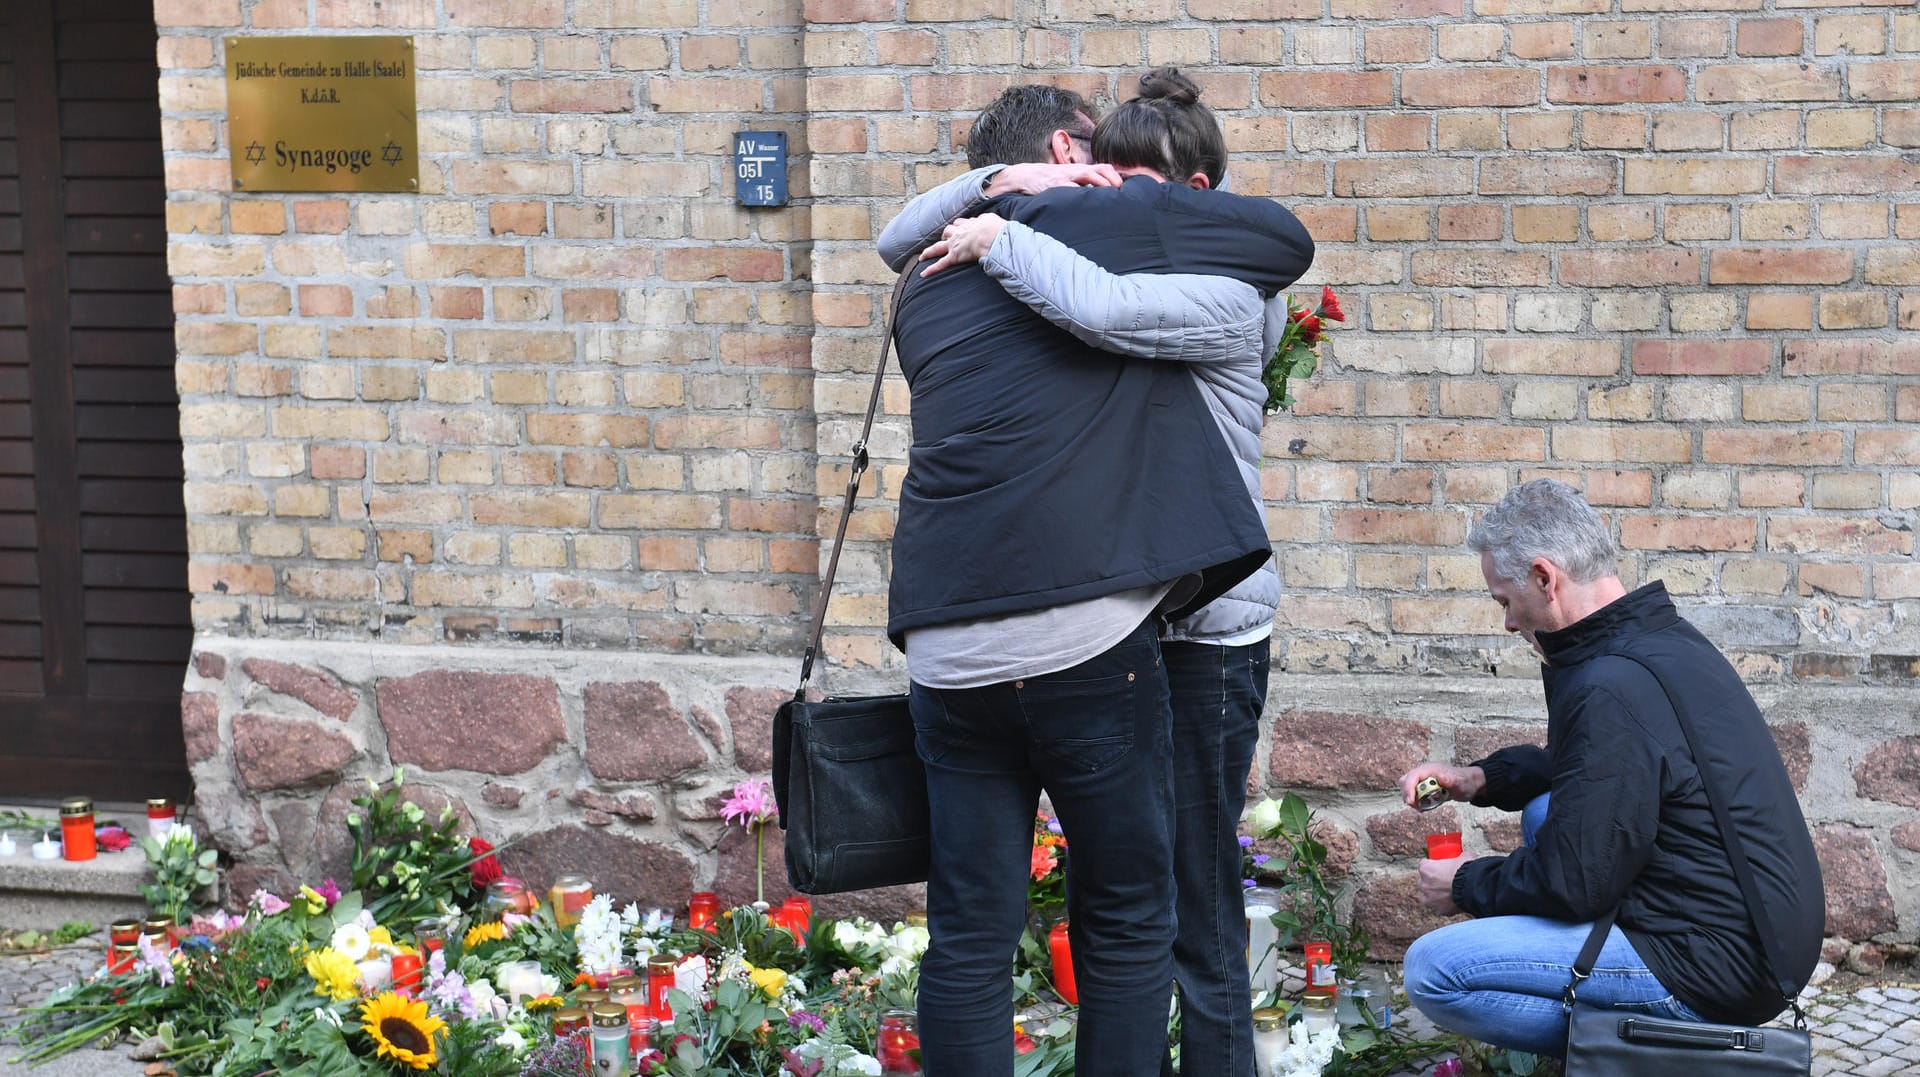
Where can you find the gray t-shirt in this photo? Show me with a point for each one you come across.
(993, 650)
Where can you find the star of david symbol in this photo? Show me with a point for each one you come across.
(255, 153)
(390, 153)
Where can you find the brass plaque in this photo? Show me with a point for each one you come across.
(322, 114)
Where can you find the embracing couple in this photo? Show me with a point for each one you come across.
(1082, 580)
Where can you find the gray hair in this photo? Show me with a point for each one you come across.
(1545, 518)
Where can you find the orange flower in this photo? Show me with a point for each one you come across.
(1043, 862)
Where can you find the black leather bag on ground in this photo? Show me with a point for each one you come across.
(847, 780)
(1615, 1043)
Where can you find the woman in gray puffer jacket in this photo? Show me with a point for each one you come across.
(1217, 658)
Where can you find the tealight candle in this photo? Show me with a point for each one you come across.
(6, 844)
(46, 849)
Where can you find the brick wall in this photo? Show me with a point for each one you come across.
(570, 397)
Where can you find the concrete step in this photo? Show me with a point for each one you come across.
(43, 894)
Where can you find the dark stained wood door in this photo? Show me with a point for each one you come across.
(94, 613)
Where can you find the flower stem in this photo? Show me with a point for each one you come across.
(760, 862)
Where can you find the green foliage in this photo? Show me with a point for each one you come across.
(180, 868)
(416, 867)
(1309, 904)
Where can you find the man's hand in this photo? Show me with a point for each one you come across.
(1034, 178)
(1436, 883)
(1461, 783)
(965, 240)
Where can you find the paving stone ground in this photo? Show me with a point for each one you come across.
(1864, 1030)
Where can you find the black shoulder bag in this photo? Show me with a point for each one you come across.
(847, 780)
(1613, 1043)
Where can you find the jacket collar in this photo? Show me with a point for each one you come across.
(1648, 609)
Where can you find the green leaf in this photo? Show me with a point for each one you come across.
(347, 907)
(209, 857)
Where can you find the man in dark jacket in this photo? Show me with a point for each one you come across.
(1058, 502)
(1628, 824)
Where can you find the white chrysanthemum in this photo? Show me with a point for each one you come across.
(512, 1039)
(598, 936)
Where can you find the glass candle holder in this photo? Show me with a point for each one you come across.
(1316, 1013)
(406, 973)
(431, 935)
(161, 813)
(1269, 1039)
(76, 829)
(505, 895)
(897, 1042)
(568, 895)
(1060, 949)
(1320, 971)
(519, 980)
(1443, 846)
(659, 982)
(1263, 953)
(702, 910)
(612, 1050)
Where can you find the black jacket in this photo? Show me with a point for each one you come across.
(1629, 822)
(1044, 471)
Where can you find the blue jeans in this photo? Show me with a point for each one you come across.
(1500, 979)
(1097, 737)
(1217, 694)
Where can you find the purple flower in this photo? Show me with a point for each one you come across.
(448, 990)
(1246, 842)
(1053, 826)
(1248, 883)
(799, 1019)
(750, 805)
(1260, 859)
(155, 959)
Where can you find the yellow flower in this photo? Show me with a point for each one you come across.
(316, 902)
(491, 931)
(769, 980)
(544, 1002)
(401, 1029)
(334, 976)
(380, 936)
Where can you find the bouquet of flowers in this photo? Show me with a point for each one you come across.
(1047, 885)
(1297, 355)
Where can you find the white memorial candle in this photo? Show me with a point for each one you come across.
(1263, 958)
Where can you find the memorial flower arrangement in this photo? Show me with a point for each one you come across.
(1297, 353)
(1047, 887)
(407, 969)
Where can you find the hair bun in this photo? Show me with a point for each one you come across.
(1170, 84)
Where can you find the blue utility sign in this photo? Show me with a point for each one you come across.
(760, 168)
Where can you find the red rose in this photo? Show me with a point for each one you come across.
(1310, 329)
(1330, 305)
(486, 870)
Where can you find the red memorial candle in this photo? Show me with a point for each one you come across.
(1062, 950)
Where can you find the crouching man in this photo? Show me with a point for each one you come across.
(1616, 819)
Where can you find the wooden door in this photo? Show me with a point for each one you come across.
(94, 623)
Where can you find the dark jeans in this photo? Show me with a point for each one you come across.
(1097, 738)
(1217, 696)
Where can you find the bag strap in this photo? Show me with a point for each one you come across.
(1589, 953)
(860, 462)
(1736, 856)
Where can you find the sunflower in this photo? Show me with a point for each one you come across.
(401, 1029)
(491, 931)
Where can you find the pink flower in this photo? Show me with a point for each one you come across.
(267, 903)
(750, 805)
(112, 839)
(329, 890)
